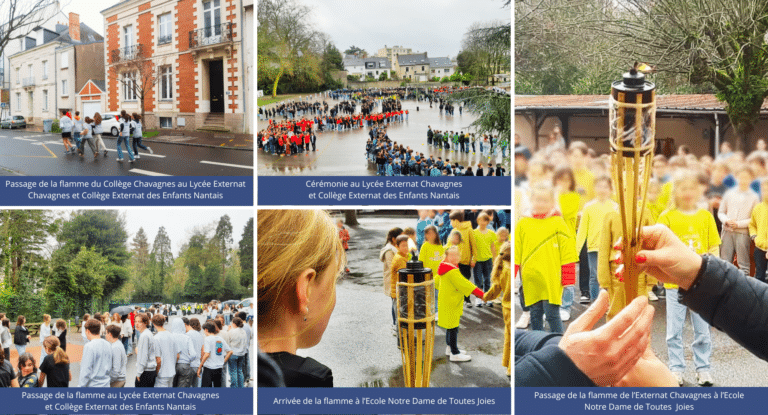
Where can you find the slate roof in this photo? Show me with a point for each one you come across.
(415, 59)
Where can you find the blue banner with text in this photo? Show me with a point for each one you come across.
(384, 400)
(624, 400)
(126, 401)
(99, 191)
(385, 191)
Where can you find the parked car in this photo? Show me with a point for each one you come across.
(110, 124)
(16, 121)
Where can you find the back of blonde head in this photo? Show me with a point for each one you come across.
(289, 242)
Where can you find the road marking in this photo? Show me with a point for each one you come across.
(23, 139)
(146, 172)
(227, 164)
(160, 156)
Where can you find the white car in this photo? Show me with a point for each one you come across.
(110, 124)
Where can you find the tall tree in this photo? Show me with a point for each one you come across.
(354, 50)
(332, 59)
(245, 254)
(140, 268)
(104, 231)
(223, 240)
(161, 259)
(23, 235)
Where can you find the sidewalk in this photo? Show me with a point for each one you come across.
(204, 139)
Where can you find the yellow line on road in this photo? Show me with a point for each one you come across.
(49, 150)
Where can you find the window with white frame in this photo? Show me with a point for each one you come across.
(45, 100)
(64, 91)
(128, 36)
(45, 69)
(18, 75)
(29, 71)
(166, 82)
(129, 86)
(166, 29)
(166, 122)
(64, 60)
(18, 101)
(212, 18)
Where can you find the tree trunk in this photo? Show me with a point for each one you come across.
(350, 218)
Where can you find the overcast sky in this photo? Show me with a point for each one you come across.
(432, 26)
(179, 223)
(89, 11)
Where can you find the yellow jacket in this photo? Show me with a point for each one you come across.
(467, 247)
(452, 288)
(758, 225)
(398, 263)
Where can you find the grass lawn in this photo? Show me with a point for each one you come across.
(267, 99)
(148, 134)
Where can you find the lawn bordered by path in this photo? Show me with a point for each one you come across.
(266, 100)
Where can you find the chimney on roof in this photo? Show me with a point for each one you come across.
(74, 26)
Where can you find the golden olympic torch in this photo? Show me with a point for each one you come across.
(632, 138)
(416, 322)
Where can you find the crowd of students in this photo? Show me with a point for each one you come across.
(457, 246)
(89, 130)
(570, 223)
(185, 353)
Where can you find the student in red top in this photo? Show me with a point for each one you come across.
(306, 142)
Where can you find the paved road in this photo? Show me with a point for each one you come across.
(731, 364)
(343, 153)
(41, 154)
(359, 344)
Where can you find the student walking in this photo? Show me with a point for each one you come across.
(98, 130)
(119, 358)
(125, 132)
(137, 135)
(86, 135)
(146, 354)
(21, 335)
(65, 124)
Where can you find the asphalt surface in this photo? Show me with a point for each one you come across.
(343, 153)
(75, 344)
(42, 154)
(359, 344)
(731, 364)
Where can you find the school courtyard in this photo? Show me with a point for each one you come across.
(343, 153)
(359, 344)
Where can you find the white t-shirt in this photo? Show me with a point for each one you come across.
(166, 349)
(218, 350)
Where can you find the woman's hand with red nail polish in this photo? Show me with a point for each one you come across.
(666, 257)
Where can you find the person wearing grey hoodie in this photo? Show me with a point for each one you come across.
(192, 326)
(185, 375)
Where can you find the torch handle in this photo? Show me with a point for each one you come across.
(631, 273)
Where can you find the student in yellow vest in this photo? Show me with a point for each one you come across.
(758, 231)
(696, 228)
(591, 226)
(398, 262)
(501, 285)
(452, 289)
(545, 256)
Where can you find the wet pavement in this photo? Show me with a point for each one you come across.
(359, 344)
(343, 153)
(731, 364)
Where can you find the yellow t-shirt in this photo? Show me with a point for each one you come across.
(484, 242)
(431, 255)
(758, 226)
(542, 247)
(585, 185)
(697, 230)
(499, 244)
(591, 224)
(570, 203)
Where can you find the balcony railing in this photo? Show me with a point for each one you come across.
(210, 35)
(28, 81)
(127, 53)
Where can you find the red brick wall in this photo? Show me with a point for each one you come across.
(74, 26)
(186, 69)
(145, 6)
(147, 41)
(113, 89)
(231, 76)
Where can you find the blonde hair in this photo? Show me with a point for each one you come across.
(289, 242)
(483, 217)
(505, 255)
(46, 318)
(680, 177)
(59, 355)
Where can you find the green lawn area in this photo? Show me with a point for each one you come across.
(267, 99)
(148, 134)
